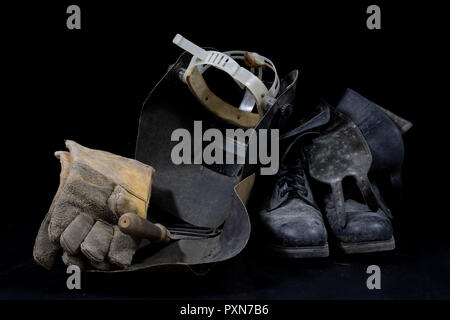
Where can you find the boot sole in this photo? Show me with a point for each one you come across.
(300, 252)
(368, 246)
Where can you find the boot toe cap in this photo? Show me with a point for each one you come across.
(295, 226)
(372, 226)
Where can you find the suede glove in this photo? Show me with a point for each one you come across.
(95, 189)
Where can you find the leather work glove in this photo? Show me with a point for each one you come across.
(95, 189)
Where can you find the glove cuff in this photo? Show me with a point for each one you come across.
(133, 176)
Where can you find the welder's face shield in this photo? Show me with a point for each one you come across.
(190, 192)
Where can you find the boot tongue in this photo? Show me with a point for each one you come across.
(290, 178)
(290, 183)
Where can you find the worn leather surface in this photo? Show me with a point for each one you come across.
(295, 223)
(289, 214)
(96, 187)
(362, 225)
(181, 189)
(339, 152)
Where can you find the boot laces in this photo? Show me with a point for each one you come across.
(293, 177)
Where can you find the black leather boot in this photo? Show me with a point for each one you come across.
(382, 130)
(341, 158)
(365, 230)
(292, 222)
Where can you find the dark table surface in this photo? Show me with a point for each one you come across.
(415, 270)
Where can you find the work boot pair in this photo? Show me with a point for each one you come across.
(339, 148)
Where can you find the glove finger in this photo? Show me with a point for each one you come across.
(74, 234)
(121, 202)
(96, 244)
(122, 248)
(63, 215)
(85, 191)
(45, 251)
(70, 260)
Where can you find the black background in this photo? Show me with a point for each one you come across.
(88, 85)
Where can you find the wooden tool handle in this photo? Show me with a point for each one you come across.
(132, 224)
